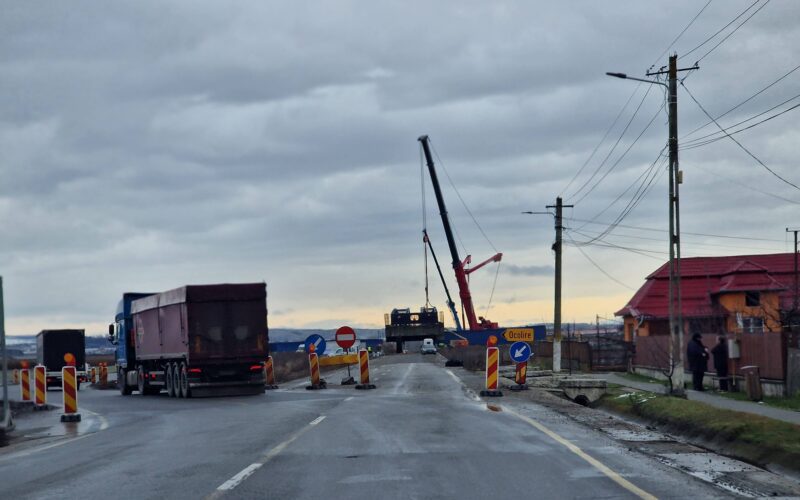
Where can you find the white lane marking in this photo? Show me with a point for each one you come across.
(250, 469)
(103, 421)
(349, 398)
(469, 391)
(402, 380)
(592, 461)
(25, 453)
(238, 478)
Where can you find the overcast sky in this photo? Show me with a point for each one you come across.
(147, 145)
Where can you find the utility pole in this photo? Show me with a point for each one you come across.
(557, 247)
(5, 423)
(794, 302)
(676, 360)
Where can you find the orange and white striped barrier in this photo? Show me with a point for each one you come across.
(492, 367)
(93, 375)
(25, 384)
(363, 365)
(69, 384)
(269, 374)
(40, 392)
(313, 364)
(103, 374)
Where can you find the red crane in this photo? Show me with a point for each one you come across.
(458, 266)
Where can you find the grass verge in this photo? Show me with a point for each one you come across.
(635, 377)
(752, 438)
(792, 403)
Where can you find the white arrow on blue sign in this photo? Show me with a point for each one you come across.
(520, 352)
(319, 344)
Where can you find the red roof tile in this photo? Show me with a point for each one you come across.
(702, 277)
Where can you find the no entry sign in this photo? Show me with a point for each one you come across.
(345, 337)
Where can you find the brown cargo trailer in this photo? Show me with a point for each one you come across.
(199, 340)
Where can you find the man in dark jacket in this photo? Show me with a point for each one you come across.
(720, 352)
(698, 360)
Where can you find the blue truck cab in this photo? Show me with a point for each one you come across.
(120, 333)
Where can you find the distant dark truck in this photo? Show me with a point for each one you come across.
(196, 340)
(55, 347)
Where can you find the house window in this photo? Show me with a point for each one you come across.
(752, 325)
(752, 299)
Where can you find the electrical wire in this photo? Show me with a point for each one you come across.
(734, 31)
(721, 29)
(596, 265)
(681, 33)
(739, 143)
(700, 142)
(617, 162)
(640, 228)
(743, 102)
(688, 242)
(611, 151)
(747, 186)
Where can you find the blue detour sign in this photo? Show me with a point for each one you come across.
(520, 352)
(318, 342)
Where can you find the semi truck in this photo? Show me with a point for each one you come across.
(56, 349)
(195, 340)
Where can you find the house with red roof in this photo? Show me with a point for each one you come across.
(746, 298)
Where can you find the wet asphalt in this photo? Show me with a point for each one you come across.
(423, 433)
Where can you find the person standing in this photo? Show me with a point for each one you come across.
(698, 360)
(720, 353)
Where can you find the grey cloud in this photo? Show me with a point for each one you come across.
(516, 270)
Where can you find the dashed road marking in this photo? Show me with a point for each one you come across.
(349, 398)
(240, 476)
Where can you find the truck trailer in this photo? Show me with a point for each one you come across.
(195, 340)
(56, 349)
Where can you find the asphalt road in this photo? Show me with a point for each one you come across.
(421, 434)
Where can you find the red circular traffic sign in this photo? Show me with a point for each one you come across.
(345, 337)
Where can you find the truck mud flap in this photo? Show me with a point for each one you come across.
(242, 390)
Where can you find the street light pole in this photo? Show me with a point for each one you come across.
(675, 179)
(6, 421)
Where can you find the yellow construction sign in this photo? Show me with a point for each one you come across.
(518, 334)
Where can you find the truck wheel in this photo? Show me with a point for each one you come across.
(169, 382)
(122, 383)
(176, 380)
(140, 380)
(184, 382)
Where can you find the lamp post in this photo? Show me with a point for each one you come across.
(675, 178)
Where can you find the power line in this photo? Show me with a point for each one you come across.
(722, 29)
(681, 33)
(739, 143)
(744, 102)
(699, 142)
(640, 228)
(734, 31)
(611, 151)
(596, 265)
(664, 240)
(617, 162)
(747, 186)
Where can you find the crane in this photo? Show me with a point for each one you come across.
(459, 266)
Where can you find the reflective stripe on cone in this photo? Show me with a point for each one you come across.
(363, 363)
(492, 365)
(313, 363)
(40, 393)
(25, 383)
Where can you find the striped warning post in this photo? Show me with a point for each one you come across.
(492, 366)
(69, 384)
(93, 375)
(15, 376)
(269, 374)
(103, 374)
(363, 364)
(521, 373)
(25, 384)
(40, 392)
(313, 364)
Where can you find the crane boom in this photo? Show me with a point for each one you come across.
(458, 266)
